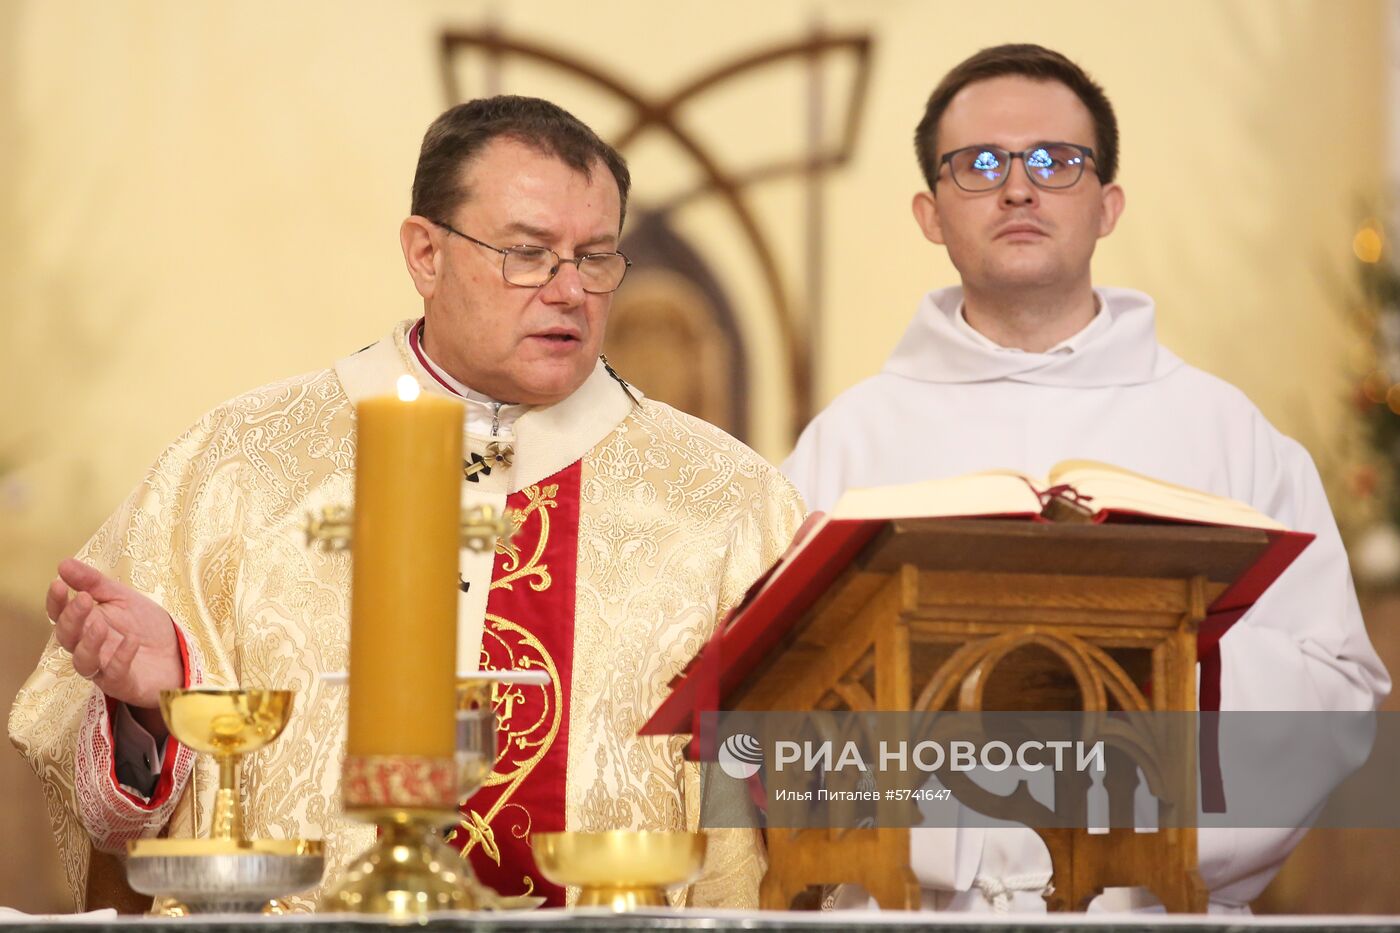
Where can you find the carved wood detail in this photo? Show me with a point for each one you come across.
(1107, 636)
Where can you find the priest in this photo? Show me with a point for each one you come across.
(1025, 364)
(637, 527)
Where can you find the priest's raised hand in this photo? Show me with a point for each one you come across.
(120, 639)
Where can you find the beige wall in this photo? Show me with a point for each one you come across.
(195, 198)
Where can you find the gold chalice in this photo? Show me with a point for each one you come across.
(225, 872)
(620, 869)
(227, 724)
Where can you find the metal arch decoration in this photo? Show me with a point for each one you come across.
(660, 112)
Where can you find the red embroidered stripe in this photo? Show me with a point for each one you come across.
(529, 626)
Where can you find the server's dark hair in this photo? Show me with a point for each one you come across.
(1030, 61)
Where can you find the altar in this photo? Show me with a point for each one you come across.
(600, 921)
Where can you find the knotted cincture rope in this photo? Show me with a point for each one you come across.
(999, 891)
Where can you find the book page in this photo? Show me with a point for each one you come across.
(1112, 488)
(996, 492)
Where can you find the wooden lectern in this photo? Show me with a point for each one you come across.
(967, 615)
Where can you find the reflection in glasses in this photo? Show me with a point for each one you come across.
(1048, 165)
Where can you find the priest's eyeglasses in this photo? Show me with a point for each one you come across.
(1048, 165)
(536, 266)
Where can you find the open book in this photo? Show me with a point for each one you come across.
(1097, 491)
(1076, 491)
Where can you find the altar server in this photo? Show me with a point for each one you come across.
(1027, 363)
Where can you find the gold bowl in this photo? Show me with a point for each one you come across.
(620, 869)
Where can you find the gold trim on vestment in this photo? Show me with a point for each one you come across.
(518, 737)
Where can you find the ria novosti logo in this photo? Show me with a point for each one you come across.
(740, 756)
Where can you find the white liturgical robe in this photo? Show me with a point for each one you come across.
(949, 402)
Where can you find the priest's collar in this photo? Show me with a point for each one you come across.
(547, 437)
(1118, 347)
(1069, 345)
(485, 415)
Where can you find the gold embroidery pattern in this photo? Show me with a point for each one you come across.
(676, 519)
(211, 533)
(515, 648)
(539, 499)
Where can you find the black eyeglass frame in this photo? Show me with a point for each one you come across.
(1086, 151)
(553, 270)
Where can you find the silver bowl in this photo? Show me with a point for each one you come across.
(224, 876)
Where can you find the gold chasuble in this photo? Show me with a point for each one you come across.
(638, 527)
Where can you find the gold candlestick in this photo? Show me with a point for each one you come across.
(225, 872)
(410, 871)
